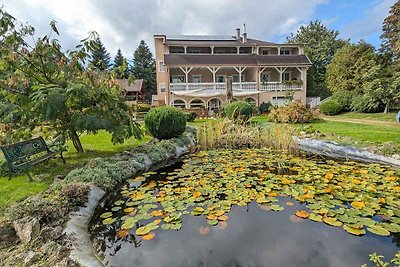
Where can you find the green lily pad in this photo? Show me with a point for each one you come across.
(378, 230)
(212, 222)
(276, 207)
(109, 221)
(142, 230)
(129, 223)
(354, 231)
(106, 215)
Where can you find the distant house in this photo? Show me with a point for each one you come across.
(134, 91)
(192, 70)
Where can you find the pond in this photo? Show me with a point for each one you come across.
(251, 208)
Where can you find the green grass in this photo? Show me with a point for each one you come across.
(98, 145)
(359, 132)
(390, 117)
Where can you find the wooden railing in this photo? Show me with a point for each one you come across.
(270, 86)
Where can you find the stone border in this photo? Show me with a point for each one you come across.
(336, 150)
(77, 227)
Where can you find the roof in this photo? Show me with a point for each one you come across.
(206, 40)
(234, 60)
(135, 86)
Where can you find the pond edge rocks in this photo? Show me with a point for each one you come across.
(154, 156)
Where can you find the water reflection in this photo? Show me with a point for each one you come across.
(253, 237)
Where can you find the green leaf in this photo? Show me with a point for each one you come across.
(378, 230)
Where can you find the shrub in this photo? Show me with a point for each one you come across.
(239, 110)
(142, 108)
(265, 107)
(75, 193)
(165, 122)
(331, 107)
(295, 112)
(344, 98)
(190, 116)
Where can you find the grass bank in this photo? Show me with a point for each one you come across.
(98, 145)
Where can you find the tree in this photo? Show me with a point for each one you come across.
(43, 88)
(321, 44)
(120, 66)
(100, 58)
(391, 31)
(144, 68)
(354, 76)
(390, 56)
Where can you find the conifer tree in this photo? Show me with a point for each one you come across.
(100, 58)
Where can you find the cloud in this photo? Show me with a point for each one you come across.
(122, 24)
(370, 22)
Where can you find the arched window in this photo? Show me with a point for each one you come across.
(214, 104)
(251, 100)
(197, 103)
(179, 103)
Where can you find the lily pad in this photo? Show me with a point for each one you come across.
(378, 230)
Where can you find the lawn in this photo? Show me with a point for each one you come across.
(390, 117)
(98, 145)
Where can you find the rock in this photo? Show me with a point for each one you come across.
(8, 235)
(50, 248)
(396, 156)
(51, 233)
(32, 257)
(27, 229)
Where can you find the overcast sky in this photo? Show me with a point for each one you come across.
(123, 23)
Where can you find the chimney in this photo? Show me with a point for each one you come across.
(238, 34)
(244, 34)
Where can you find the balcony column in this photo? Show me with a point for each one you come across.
(260, 72)
(214, 71)
(279, 50)
(186, 71)
(240, 70)
(185, 48)
(212, 49)
(238, 50)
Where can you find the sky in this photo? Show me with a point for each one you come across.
(123, 23)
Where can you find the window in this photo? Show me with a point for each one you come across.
(264, 51)
(220, 78)
(179, 103)
(279, 101)
(196, 78)
(178, 79)
(162, 88)
(285, 51)
(161, 66)
(265, 77)
(236, 78)
(287, 76)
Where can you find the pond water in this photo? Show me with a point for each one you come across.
(251, 208)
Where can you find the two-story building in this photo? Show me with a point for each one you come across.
(192, 70)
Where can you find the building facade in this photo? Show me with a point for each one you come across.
(192, 71)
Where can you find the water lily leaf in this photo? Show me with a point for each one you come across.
(142, 230)
(130, 210)
(166, 226)
(212, 222)
(276, 207)
(378, 230)
(353, 231)
(358, 204)
(315, 217)
(289, 203)
(332, 221)
(122, 233)
(106, 215)
(176, 226)
(129, 223)
(223, 218)
(116, 208)
(109, 221)
(149, 236)
(302, 214)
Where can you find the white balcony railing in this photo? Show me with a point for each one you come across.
(277, 86)
(271, 86)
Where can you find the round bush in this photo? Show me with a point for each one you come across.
(239, 109)
(264, 107)
(331, 107)
(165, 122)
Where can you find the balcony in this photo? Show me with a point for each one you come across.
(245, 86)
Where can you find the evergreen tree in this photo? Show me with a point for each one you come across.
(144, 68)
(322, 43)
(100, 58)
(120, 66)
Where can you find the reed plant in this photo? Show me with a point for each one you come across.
(231, 134)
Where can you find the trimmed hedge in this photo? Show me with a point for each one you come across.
(165, 122)
(239, 110)
(331, 107)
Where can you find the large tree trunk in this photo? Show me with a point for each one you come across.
(386, 108)
(76, 141)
